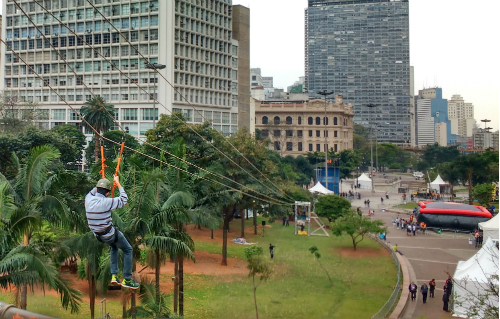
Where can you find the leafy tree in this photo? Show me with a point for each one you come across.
(356, 227)
(257, 267)
(477, 169)
(484, 194)
(451, 173)
(314, 250)
(435, 154)
(16, 114)
(71, 133)
(346, 160)
(332, 206)
(30, 194)
(99, 114)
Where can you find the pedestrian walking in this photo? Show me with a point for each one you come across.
(365, 202)
(271, 251)
(476, 237)
(368, 202)
(287, 220)
(413, 291)
(284, 220)
(414, 229)
(381, 200)
(424, 289)
(397, 221)
(408, 230)
(386, 193)
(449, 285)
(432, 287)
(480, 240)
(446, 298)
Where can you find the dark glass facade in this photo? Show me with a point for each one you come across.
(360, 49)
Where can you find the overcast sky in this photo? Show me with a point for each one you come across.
(454, 44)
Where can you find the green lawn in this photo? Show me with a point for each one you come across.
(299, 288)
(409, 205)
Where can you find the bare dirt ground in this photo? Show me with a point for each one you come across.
(361, 252)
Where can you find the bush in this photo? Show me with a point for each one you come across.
(272, 219)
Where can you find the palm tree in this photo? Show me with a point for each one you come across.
(97, 113)
(24, 265)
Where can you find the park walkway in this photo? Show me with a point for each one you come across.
(429, 256)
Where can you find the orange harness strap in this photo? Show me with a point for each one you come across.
(103, 160)
(117, 168)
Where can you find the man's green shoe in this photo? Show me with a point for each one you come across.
(114, 280)
(130, 283)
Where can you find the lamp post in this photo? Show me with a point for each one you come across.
(155, 66)
(371, 106)
(357, 179)
(325, 93)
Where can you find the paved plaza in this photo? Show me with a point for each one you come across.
(428, 256)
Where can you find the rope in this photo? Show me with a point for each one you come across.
(118, 124)
(117, 143)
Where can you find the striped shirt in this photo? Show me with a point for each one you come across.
(99, 207)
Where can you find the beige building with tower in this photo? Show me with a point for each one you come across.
(297, 127)
(461, 115)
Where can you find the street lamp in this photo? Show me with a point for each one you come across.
(325, 93)
(371, 106)
(155, 66)
(485, 121)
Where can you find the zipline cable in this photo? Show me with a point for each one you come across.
(124, 132)
(131, 149)
(153, 98)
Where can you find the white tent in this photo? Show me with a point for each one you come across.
(364, 181)
(472, 276)
(490, 228)
(319, 188)
(437, 183)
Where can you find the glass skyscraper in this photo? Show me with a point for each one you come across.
(360, 49)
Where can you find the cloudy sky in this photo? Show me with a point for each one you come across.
(454, 44)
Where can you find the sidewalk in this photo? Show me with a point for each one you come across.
(430, 256)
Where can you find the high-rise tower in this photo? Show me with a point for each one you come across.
(360, 49)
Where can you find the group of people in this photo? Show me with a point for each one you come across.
(429, 289)
(478, 238)
(409, 225)
(367, 203)
(286, 220)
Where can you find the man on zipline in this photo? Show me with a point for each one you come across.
(98, 207)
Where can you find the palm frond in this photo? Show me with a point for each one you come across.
(70, 297)
(181, 199)
(169, 245)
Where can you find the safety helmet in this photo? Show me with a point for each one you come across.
(104, 183)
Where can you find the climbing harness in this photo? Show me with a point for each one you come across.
(118, 164)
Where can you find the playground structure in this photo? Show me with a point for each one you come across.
(305, 216)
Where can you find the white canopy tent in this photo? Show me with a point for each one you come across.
(435, 185)
(472, 277)
(364, 181)
(490, 228)
(319, 188)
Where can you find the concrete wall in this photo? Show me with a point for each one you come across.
(241, 32)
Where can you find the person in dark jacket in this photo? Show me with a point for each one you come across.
(432, 287)
(413, 290)
(424, 289)
(98, 207)
(446, 298)
(271, 251)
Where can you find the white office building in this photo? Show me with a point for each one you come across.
(192, 38)
(461, 115)
(425, 123)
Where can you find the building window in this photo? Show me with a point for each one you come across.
(277, 133)
(131, 128)
(335, 121)
(289, 133)
(299, 133)
(59, 115)
(310, 147)
(318, 121)
(289, 146)
(325, 121)
(310, 133)
(265, 133)
(300, 120)
(334, 133)
(310, 120)
(288, 120)
(129, 115)
(318, 133)
(147, 115)
(318, 147)
(276, 120)
(300, 146)
(145, 127)
(335, 147)
(277, 146)
(265, 120)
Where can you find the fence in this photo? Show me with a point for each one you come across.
(393, 299)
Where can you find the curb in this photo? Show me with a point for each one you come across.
(405, 294)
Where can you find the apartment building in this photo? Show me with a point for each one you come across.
(296, 127)
(192, 38)
(360, 49)
(461, 115)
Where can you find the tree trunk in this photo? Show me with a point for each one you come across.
(132, 304)
(24, 288)
(176, 284)
(354, 243)
(211, 234)
(255, 298)
(97, 149)
(242, 223)
(246, 213)
(470, 189)
(92, 296)
(227, 212)
(157, 275)
(254, 221)
(181, 286)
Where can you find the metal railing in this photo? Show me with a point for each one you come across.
(10, 311)
(394, 298)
